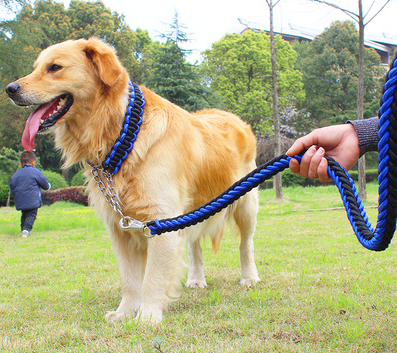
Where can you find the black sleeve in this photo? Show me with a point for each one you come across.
(367, 132)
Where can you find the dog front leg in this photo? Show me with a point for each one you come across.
(162, 275)
(131, 258)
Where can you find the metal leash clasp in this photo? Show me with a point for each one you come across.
(128, 223)
(109, 192)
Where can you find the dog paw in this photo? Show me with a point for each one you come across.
(196, 284)
(249, 282)
(115, 316)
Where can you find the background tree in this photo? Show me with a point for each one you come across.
(12, 4)
(176, 32)
(53, 24)
(330, 73)
(45, 23)
(238, 69)
(177, 80)
(362, 20)
(276, 119)
(172, 77)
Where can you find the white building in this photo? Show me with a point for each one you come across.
(384, 45)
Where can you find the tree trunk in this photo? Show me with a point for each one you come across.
(362, 192)
(8, 198)
(65, 174)
(276, 121)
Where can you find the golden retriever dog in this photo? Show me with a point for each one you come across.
(179, 162)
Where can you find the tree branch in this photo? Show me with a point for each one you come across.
(370, 8)
(376, 13)
(273, 5)
(351, 14)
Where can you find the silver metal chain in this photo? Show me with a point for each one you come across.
(109, 192)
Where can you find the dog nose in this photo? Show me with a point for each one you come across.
(12, 89)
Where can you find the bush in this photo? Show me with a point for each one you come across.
(4, 189)
(79, 179)
(56, 180)
(370, 175)
(73, 194)
(9, 164)
(291, 179)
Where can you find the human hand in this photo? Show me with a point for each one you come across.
(339, 142)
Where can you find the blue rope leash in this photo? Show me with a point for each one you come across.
(386, 223)
(236, 191)
(373, 240)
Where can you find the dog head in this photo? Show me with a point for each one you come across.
(64, 79)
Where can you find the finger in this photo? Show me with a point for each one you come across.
(300, 144)
(314, 163)
(294, 166)
(305, 162)
(322, 171)
(296, 148)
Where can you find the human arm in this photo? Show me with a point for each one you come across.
(42, 181)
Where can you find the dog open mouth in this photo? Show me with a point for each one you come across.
(44, 118)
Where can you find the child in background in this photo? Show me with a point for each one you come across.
(25, 185)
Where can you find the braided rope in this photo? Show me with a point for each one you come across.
(240, 188)
(386, 224)
(128, 133)
(377, 240)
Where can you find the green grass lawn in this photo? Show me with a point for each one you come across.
(321, 291)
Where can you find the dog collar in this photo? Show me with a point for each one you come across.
(119, 152)
(129, 132)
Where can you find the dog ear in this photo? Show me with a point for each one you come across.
(104, 60)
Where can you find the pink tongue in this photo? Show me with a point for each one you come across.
(32, 125)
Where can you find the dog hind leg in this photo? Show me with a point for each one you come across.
(245, 217)
(196, 278)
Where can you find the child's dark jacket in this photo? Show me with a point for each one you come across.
(25, 185)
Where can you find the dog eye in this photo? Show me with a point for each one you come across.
(54, 68)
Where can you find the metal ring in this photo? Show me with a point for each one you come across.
(146, 231)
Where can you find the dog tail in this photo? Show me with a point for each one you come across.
(216, 239)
